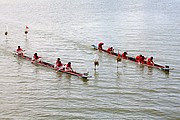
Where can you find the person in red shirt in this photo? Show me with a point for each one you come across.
(19, 51)
(100, 45)
(110, 50)
(58, 65)
(138, 58)
(150, 61)
(68, 67)
(124, 55)
(142, 60)
(36, 58)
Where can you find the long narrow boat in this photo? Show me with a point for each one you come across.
(132, 59)
(51, 66)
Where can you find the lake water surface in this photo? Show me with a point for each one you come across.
(67, 29)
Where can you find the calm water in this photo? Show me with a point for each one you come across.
(67, 29)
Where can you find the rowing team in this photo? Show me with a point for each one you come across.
(36, 58)
(139, 59)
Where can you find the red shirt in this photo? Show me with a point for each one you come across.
(142, 60)
(19, 50)
(68, 65)
(137, 58)
(58, 63)
(150, 62)
(124, 56)
(100, 46)
(36, 57)
(109, 49)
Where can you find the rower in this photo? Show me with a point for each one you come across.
(150, 61)
(138, 58)
(36, 58)
(19, 51)
(124, 55)
(58, 65)
(110, 50)
(142, 60)
(68, 67)
(100, 45)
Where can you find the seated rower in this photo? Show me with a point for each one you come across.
(110, 50)
(124, 55)
(19, 51)
(36, 58)
(58, 65)
(150, 61)
(138, 58)
(142, 60)
(100, 45)
(68, 67)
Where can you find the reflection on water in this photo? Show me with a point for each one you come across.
(96, 74)
(118, 74)
(150, 71)
(59, 74)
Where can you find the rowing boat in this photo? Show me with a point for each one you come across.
(51, 66)
(132, 59)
